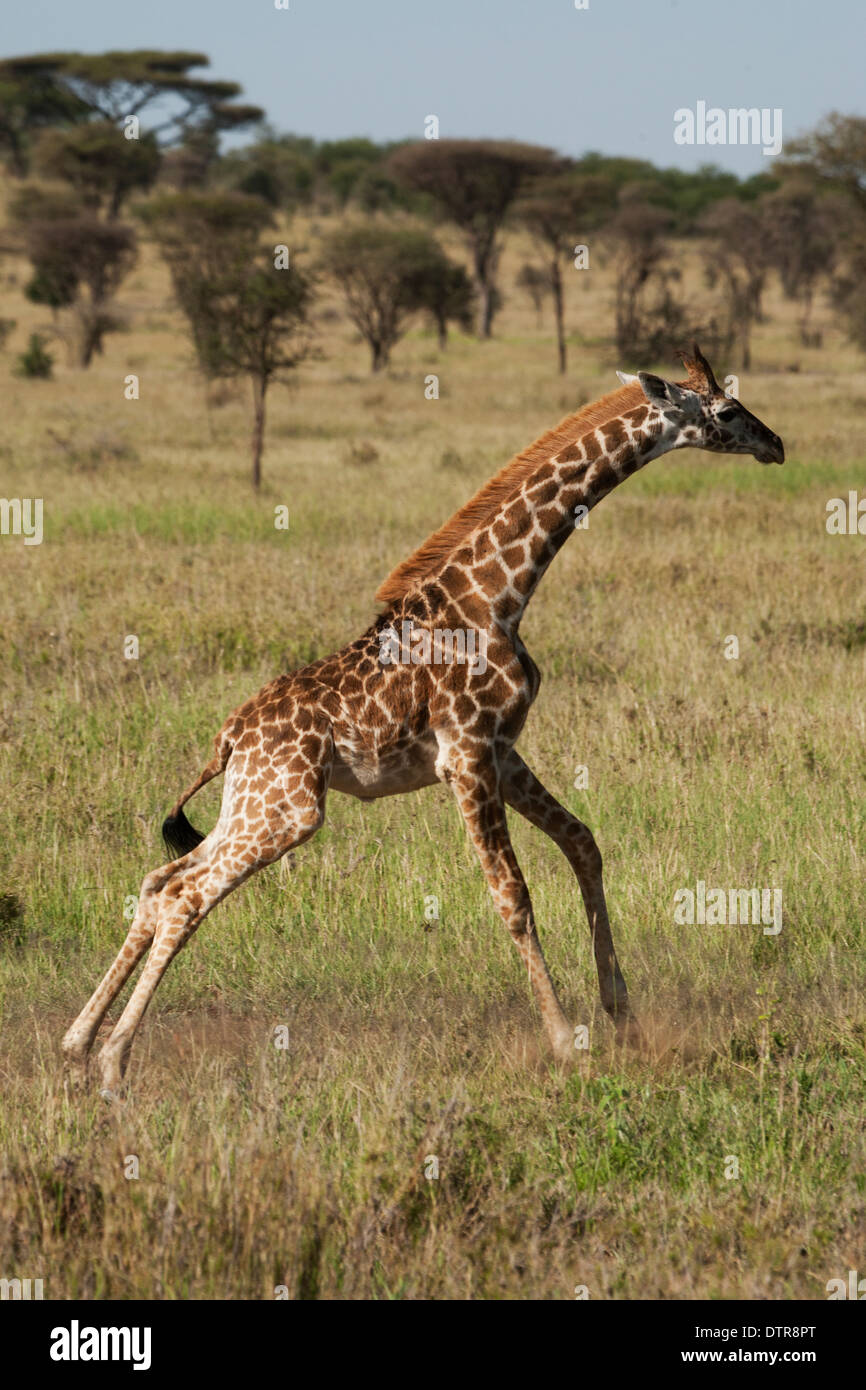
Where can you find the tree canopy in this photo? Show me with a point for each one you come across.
(474, 183)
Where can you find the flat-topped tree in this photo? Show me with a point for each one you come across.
(474, 183)
(558, 211)
(115, 85)
(29, 102)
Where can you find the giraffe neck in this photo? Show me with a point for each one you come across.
(510, 553)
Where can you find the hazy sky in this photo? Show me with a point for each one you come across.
(607, 78)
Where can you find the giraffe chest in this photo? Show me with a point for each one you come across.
(530, 670)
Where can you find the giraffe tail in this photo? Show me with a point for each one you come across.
(180, 837)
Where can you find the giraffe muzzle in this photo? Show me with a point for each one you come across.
(772, 451)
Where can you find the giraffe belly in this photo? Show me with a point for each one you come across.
(369, 773)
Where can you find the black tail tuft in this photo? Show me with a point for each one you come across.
(180, 837)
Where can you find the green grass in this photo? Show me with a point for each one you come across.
(305, 1167)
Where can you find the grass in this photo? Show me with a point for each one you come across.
(305, 1167)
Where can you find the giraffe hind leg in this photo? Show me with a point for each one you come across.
(181, 839)
(79, 1037)
(265, 813)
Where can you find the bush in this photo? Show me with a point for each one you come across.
(35, 362)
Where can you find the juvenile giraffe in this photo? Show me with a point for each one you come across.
(367, 724)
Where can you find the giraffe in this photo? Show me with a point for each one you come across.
(408, 704)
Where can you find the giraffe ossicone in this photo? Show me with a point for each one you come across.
(355, 724)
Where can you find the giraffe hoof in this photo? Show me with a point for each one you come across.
(74, 1066)
(628, 1031)
(564, 1052)
(74, 1078)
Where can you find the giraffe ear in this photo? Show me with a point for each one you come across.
(627, 379)
(666, 393)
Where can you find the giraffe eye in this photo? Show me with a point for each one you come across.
(726, 415)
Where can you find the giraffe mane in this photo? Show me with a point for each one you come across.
(430, 555)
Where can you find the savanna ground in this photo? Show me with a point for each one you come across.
(304, 1167)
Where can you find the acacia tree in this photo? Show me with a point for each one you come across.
(216, 229)
(116, 85)
(78, 264)
(535, 281)
(255, 323)
(474, 183)
(99, 163)
(280, 169)
(30, 101)
(833, 158)
(442, 289)
(834, 155)
(639, 233)
(246, 316)
(848, 286)
(557, 211)
(386, 274)
(72, 89)
(801, 234)
(737, 256)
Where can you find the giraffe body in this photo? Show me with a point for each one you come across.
(366, 724)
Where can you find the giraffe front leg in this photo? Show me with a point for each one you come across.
(478, 796)
(522, 790)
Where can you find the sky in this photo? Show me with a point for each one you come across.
(609, 77)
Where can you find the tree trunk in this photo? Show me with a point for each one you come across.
(380, 356)
(19, 158)
(485, 309)
(805, 315)
(756, 289)
(556, 283)
(260, 386)
(87, 341)
(484, 261)
(442, 327)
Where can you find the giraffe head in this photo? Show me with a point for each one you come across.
(696, 413)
